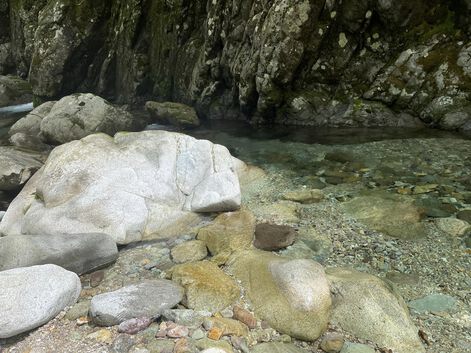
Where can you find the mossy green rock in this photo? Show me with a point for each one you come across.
(293, 296)
(173, 113)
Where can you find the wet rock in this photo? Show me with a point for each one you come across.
(17, 167)
(464, 215)
(229, 232)
(304, 196)
(31, 296)
(357, 297)
(276, 347)
(207, 288)
(433, 207)
(453, 226)
(433, 303)
(148, 186)
(146, 299)
(350, 347)
(133, 326)
(14, 90)
(79, 253)
(190, 251)
(79, 115)
(96, 278)
(395, 215)
(272, 237)
(173, 113)
(293, 296)
(332, 343)
(310, 244)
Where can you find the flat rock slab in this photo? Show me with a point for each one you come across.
(134, 186)
(16, 167)
(31, 296)
(79, 253)
(146, 299)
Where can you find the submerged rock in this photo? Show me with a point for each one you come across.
(173, 113)
(271, 237)
(17, 166)
(31, 296)
(433, 303)
(293, 296)
(395, 215)
(133, 186)
(79, 253)
(369, 308)
(146, 299)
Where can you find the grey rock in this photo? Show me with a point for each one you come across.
(78, 310)
(30, 125)
(32, 296)
(2, 213)
(433, 303)
(79, 253)
(186, 317)
(79, 115)
(16, 167)
(146, 299)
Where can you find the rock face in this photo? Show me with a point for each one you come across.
(16, 167)
(207, 287)
(293, 296)
(31, 296)
(14, 90)
(367, 307)
(339, 63)
(133, 186)
(79, 253)
(146, 299)
(173, 113)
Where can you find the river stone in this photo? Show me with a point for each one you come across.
(185, 317)
(369, 308)
(433, 303)
(14, 90)
(78, 115)
(350, 347)
(453, 226)
(464, 215)
(190, 251)
(146, 299)
(150, 185)
(173, 113)
(207, 287)
(229, 232)
(17, 166)
(31, 296)
(304, 196)
(293, 296)
(394, 215)
(79, 253)
(271, 237)
(276, 347)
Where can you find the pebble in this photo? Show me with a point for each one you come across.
(332, 343)
(133, 326)
(96, 278)
(245, 316)
(176, 331)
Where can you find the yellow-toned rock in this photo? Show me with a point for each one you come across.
(207, 287)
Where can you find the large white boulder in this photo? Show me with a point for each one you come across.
(134, 186)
